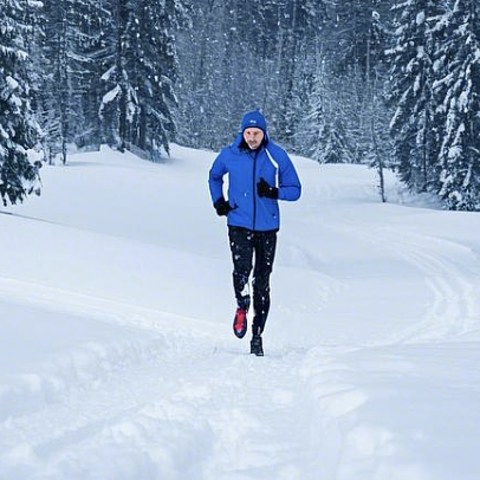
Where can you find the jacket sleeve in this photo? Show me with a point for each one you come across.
(289, 187)
(215, 178)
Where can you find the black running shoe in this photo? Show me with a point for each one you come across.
(256, 347)
(240, 323)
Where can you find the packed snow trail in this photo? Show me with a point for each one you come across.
(117, 359)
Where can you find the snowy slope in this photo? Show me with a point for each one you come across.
(117, 360)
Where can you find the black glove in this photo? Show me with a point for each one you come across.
(265, 190)
(222, 207)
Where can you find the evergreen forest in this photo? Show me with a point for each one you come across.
(388, 83)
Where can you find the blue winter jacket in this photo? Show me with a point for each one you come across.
(245, 168)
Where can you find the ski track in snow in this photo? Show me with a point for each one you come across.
(449, 269)
(453, 309)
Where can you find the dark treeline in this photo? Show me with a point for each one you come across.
(382, 82)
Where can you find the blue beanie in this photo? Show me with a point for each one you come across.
(254, 119)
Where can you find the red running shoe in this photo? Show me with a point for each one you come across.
(240, 323)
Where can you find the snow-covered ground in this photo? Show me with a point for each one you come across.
(117, 359)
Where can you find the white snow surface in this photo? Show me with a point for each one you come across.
(118, 360)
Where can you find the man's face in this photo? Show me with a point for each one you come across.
(254, 137)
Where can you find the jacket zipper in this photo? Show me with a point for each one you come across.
(255, 155)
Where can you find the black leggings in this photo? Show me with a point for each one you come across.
(243, 245)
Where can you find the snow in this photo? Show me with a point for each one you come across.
(111, 95)
(107, 75)
(117, 359)
(11, 82)
(420, 18)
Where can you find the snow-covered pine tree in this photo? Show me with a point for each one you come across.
(19, 131)
(329, 140)
(411, 81)
(352, 47)
(239, 81)
(316, 116)
(86, 51)
(56, 85)
(119, 103)
(349, 39)
(137, 108)
(65, 95)
(458, 92)
(34, 15)
(333, 143)
(296, 26)
(156, 73)
(198, 54)
(378, 144)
